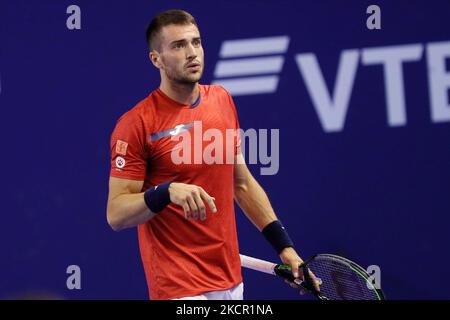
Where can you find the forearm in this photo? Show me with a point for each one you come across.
(253, 200)
(128, 210)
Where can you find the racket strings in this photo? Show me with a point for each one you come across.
(340, 281)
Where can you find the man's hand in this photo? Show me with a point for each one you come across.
(290, 257)
(191, 198)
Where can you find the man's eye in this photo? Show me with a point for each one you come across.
(179, 45)
(197, 42)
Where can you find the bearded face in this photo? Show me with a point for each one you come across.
(181, 53)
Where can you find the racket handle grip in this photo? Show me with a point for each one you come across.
(284, 271)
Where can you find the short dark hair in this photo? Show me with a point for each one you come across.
(179, 17)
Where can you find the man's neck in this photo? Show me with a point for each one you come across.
(183, 93)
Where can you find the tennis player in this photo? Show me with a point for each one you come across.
(184, 210)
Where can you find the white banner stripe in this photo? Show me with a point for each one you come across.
(251, 85)
(255, 46)
(249, 66)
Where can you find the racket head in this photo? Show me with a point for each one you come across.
(342, 279)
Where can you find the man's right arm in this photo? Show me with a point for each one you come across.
(127, 208)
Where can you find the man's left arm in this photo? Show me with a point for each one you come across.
(253, 201)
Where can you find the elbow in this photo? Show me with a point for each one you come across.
(113, 222)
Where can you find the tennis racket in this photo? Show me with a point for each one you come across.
(338, 277)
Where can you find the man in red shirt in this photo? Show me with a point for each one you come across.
(172, 177)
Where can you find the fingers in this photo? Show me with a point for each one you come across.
(209, 200)
(200, 204)
(196, 200)
(294, 268)
(193, 199)
(187, 211)
(193, 206)
(299, 277)
(315, 280)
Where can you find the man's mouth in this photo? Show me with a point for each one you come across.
(193, 66)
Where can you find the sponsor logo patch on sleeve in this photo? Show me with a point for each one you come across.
(120, 162)
(121, 147)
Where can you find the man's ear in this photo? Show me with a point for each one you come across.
(155, 58)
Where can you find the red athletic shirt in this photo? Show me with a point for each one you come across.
(183, 257)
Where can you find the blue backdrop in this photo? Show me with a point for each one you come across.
(372, 189)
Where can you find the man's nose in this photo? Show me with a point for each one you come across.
(191, 52)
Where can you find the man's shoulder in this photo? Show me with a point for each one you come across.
(215, 88)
